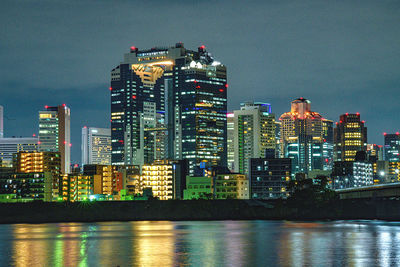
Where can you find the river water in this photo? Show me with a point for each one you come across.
(209, 243)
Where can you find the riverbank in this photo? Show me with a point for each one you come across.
(190, 210)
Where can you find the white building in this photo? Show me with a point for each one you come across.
(96, 146)
(254, 132)
(55, 133)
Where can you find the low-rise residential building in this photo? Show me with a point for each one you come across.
(231, 186)
(198, 188)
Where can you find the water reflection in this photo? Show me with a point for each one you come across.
(215, 243)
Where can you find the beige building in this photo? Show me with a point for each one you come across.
(231, 186)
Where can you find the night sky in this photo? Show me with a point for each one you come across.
(344, 56)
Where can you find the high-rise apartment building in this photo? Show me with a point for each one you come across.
(302, 137)
(10, 146)
(392, 147)
(269, 177)
(231, 140)
(167, 179)
(96, 146)
(103, 177)
(35, 162)
(350, 136)
(169, 103)
(254, 127)
(1, 122)
(55, 133)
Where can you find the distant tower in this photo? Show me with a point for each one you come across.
(350, 136)
(254, 133)
(1, 122)
(302, 136)
(392, 147)
(96, 146)
(55, 133)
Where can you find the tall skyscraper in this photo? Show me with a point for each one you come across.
(55, 133)
(231, 140)
(1, 122)
(350, 136)
(169, 103)
(254, 126)
(96, 146)
(392, 147)
(302, 137)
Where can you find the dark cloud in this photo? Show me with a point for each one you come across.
(342, 55)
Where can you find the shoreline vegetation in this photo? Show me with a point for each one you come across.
(198, 210)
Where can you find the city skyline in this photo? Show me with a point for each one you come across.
(319, 55)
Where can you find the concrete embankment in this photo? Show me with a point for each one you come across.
(46, 212)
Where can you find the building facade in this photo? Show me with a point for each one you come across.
(392, 147)
(10, 146)
(27, 186)
(198, 188)
(230, 118)
(55, 133)
(96, 146)
(76, 187)
(350, 137)
(231, 186)
(168, 103)
(254, 132)
(166, 178)
(302, 137)
(35, 162)
(269, 177)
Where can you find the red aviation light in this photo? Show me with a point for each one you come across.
(85, 126)
(397, 133)
(198, 86)
(39, 142)
(133, 97)
(46, 107)
(337, 123)
(63, 105)
(65, 142)
(110, 88)
(221, 90)
(363, 121)
(340, 121)
(33, 135)
(133, 48)
(358, 113)
(70, 145)
(384, 133)
(195, 81)
(203, 47)
(226, 85)
(347, 114)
